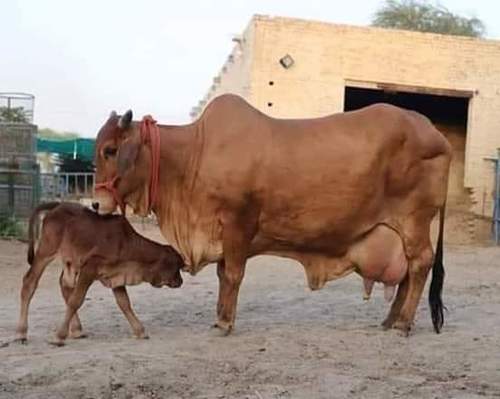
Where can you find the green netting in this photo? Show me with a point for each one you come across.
(78, 148)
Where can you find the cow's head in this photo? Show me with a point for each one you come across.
(122, 166)
(167, 270)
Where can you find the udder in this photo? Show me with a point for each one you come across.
(380, 257)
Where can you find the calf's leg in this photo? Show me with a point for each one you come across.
(30, 282)
(123, 301)
(75, 301)
(75, 326)
(49, 242)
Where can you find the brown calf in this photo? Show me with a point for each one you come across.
(93, 247)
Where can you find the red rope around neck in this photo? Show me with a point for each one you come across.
(151, 133)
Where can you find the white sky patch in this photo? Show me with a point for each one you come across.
(83, 59)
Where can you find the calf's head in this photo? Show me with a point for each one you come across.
(167, 270)
(122, 166)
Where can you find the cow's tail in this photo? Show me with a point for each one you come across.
(33, 226)
(436, 288)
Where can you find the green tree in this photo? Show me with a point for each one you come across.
(16, 115)
(51, 134)
(426, 17)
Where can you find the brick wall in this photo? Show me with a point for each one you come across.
(327, 55)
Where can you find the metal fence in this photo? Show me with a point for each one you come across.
(66, 186)
(18, 168)
(19, 192)
(496, 197)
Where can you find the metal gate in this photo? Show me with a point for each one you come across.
(72, 186)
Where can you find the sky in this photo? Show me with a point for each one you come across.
(83, 59)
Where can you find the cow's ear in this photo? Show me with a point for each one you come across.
(127, 155)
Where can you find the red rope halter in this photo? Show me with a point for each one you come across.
(110, 186)
(150, 133)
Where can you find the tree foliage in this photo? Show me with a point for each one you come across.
(13, 115)
(426, 17)
(10, 227)
(51, 134)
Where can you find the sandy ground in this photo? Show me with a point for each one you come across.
(288, 343)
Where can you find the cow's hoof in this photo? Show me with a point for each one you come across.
(21, 340)
(224, 327)
(387, 324)
(403, 326)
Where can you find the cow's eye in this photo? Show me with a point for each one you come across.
(109, 152)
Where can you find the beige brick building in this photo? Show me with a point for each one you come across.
(453, 80)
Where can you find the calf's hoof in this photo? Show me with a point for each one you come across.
(77, 335)
(57, 342)
(141, 335)
(21, 340)
(21, 335)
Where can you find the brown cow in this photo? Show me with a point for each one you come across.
(93, 247)
(237, 183)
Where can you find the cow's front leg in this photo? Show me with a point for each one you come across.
(75, 301)
(236, 240)
(230, 277)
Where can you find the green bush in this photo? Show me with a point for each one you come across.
(10, 227)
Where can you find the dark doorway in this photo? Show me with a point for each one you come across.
(438, 108)
(449, 115)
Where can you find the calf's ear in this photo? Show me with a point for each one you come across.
(128, 153)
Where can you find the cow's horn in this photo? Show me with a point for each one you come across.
(125, 119)
(112, 114)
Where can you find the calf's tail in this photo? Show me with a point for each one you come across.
(436, 288)
(33, 226)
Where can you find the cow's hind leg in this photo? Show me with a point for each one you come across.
(418, 251)
(123, 302)
(75, 301)
(397, 304)
(75, 327)
(418, 270)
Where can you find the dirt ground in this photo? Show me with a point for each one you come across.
(288, 343)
